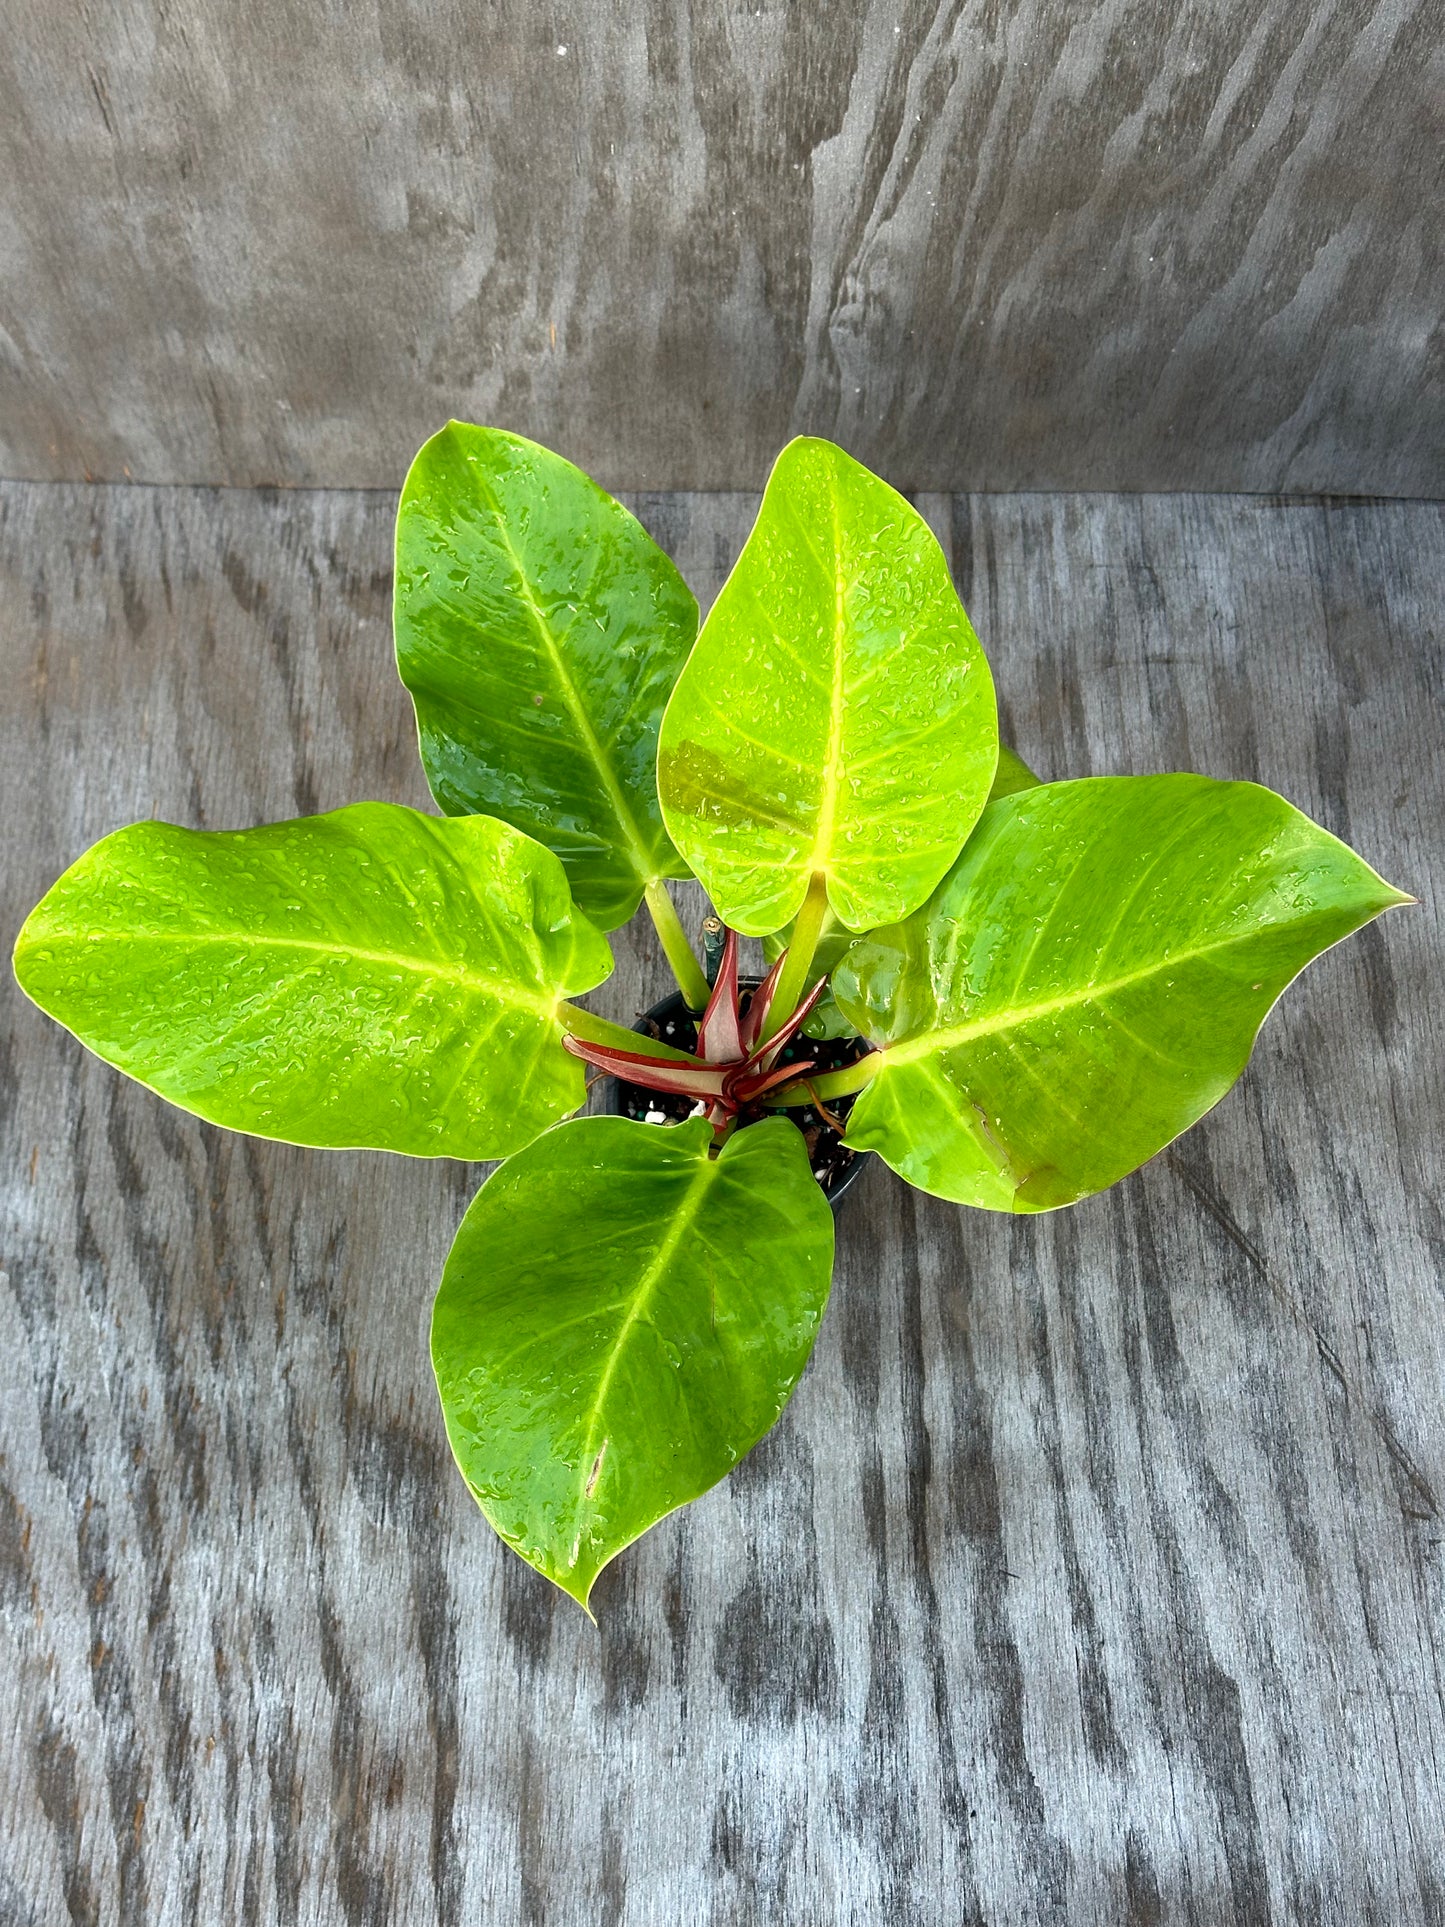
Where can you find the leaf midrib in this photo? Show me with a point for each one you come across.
(828, 810)
(498, 988)
(626, 821)
(687, 1212)
(931, 1043)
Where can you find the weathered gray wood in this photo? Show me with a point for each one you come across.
(985, 243)
(1071, 1587)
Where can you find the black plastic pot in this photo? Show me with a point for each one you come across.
(673, 1012)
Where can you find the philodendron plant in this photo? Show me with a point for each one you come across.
(1044, 983)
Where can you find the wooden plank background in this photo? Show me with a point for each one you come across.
(1094, 1574)
(985, 243)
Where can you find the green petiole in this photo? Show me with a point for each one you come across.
(831, 1084)
(601, 1030)
(806, 930)
(678, 951)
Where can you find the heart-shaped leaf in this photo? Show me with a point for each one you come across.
(1089, 981)
(622, 1316)
(540, 630)
(373, 978)
(837, 716)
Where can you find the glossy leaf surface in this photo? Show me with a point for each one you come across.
(620, 1319)
(1089, 981)
(837, 715)
(540, 630)
(373, 978)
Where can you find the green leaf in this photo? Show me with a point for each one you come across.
(540, 630)
(373, 978)
(1012, 775)
(622, 1316)
(837, 715)
(1089, 980)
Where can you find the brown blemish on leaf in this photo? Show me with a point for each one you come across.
(1040, 1189)
(1044, 1190)
(592, 1476)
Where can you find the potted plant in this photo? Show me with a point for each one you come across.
(1022, 990)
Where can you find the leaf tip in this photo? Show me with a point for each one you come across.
(577, 1585)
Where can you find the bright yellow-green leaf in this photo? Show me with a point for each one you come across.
(373, 978)
(623, 1316)
(837, 715)
(540, 630)
(1088, 981)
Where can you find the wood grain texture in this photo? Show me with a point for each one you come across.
(983, 243)
(1074, 1585)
